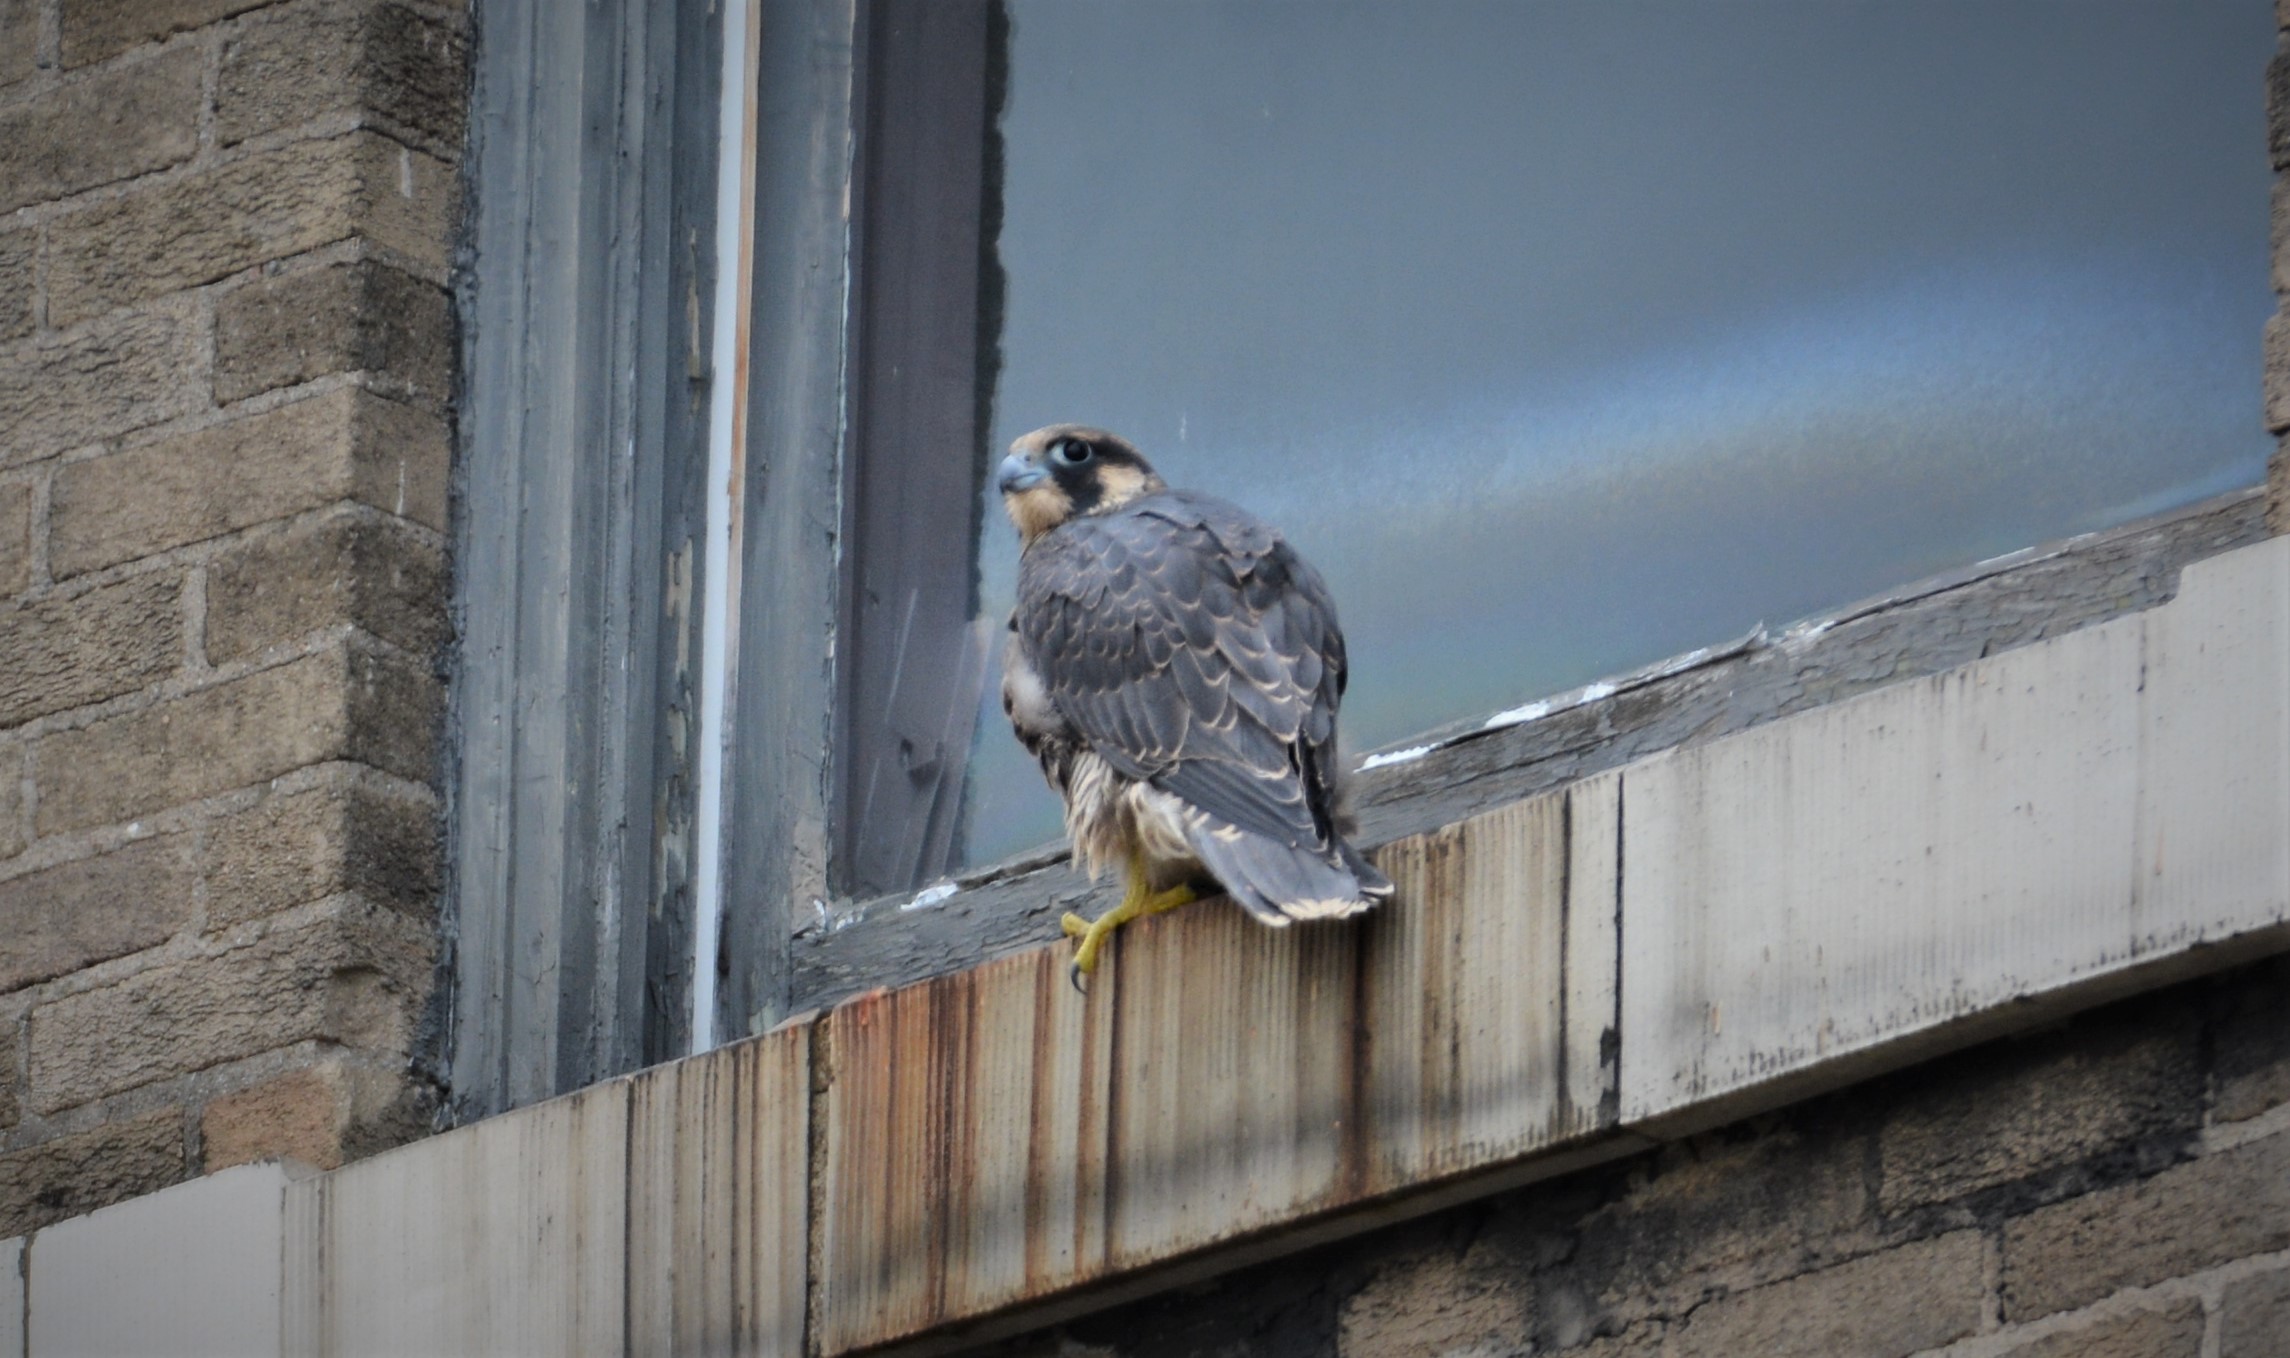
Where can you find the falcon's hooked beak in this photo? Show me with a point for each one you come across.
(1016, 475)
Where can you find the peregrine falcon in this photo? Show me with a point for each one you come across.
(1175, 667)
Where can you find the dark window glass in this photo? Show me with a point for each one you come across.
(1568, 336)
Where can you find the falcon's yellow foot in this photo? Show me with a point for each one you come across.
(1136, 903)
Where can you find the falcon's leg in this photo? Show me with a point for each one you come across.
(1136, 902)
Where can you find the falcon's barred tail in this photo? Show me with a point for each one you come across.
(1279, 883)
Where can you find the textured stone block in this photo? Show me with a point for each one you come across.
(1918, 1296)
(19, 41)
(2278, 111)
(68, 652)
(269, 206)
(12, 835)
(2073, 1253)
(11, 1066)
(350, 569)
(1434, 1307)
(338, 704)
(2275, 348)
(114, 125)
(72, 1175)
(323, 1115)
(2251, 1061)
(345, 445)
(356, 976)
(2254, 1317)
(95, 29)
(346, 317)
(17, 250)
(2020, 1108)
(1715, 1213)
(15, 537)
(319, 842)
(299, 62)
(2173, 1333)
(127, 373)
(66, 917)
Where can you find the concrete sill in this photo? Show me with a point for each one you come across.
(1650, 950)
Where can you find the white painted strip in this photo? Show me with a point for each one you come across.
(727, 437)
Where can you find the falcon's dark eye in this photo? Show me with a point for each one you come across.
(1072, 452)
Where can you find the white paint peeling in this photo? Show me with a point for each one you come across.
(935, 894)
(1389, 757)
(1514, 716)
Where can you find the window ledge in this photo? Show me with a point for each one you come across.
(1456, 772)
(1646, 951)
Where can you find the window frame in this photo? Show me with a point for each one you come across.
(867, 351)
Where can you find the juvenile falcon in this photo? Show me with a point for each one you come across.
(1175, 667)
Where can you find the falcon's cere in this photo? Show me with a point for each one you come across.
(1176, 668)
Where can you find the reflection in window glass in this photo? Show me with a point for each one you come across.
(1568, 336)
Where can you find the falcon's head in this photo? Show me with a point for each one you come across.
(1066, 470)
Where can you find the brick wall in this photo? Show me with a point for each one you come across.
(2118, 1187)
(226, 356)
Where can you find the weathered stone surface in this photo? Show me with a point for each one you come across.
(11, 1067)
(2251, 1060)
(127, 373)
(95, 29)
(353, 569)
(114, 125)
(299, 62)
(17, 249)
(67, 652)
(2254, 1317)
(1428, 1307)
(2173, 1333)
(12, 835)
(2278, 111)
(338, 704)
(2275, 347)
(342, 318)
(1918, 1296)
(269, 206)
(354, 976)
(2278, 490)
(2020, 1108)
(72, 1175)
(1715, 1212)
(298, 1116)
(345, 445)
(68, 916)
(15, 537)
(320, 842)
(324, 1115)
(19, 39)
(2073, 1253)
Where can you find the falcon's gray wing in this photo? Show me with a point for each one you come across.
(1196, 651)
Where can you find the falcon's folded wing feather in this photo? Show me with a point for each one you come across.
(1196, 652)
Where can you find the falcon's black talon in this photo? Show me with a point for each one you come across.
(1073, 973)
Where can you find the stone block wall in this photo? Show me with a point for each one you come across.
(2115, 1186)
(226, 368)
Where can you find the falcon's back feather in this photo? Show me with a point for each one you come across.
(1192, 650)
